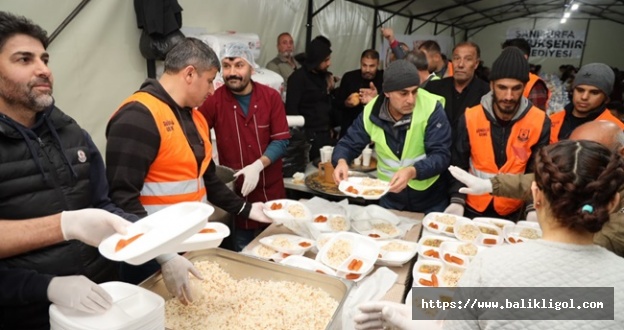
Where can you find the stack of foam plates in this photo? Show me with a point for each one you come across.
(134, 308)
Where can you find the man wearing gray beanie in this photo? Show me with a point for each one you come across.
(412, 139)
(590, 94)
(501, 135)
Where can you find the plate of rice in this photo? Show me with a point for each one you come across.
(377, 229)
(521, 233)
(395, 252)
(367, 188)
(282, 210)
(286, 243)
(331, 222)
(441, 223)
(429, 246)
(266, 253)
(345, 245)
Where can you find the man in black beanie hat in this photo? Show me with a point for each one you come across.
(308, 96)
(412, 140)
(501, 135)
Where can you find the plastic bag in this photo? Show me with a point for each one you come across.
(297, 154)
(155, 47)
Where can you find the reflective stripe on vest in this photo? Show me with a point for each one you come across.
(524, 135)
(533, 78)
(173, 176)
(557, 119)
(413, 149)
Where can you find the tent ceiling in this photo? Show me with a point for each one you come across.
(477, 14)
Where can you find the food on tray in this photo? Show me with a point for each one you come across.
(207, 231)
(339, 252)
(386, 228)
(433, 225)
(352, 190)
(265, 252)
(296, 211)
(124, 242)
(434, 281)
(467, 249)
(355, 265)
(450, 229)
(370, 182)
(338, 223)
(320, 271)
(321, 241)
(452, 276)
(424, 282)
(453, 259)
(374, 235)
(513, 240)
(529, 233)
(429, 269)
(228, 303)
(276, 206)
(500, 225)
(445, 219)
(395, 246)
(489, 231)
(320, 219)
(468, 232)
(489, 241)
(282, 242)
(351, 276)
(433, 242)
(305, 244)
(432, 253)
(372, 192)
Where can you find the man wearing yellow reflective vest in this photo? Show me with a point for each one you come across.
(159, 153)
(500, 135)
(412, 139)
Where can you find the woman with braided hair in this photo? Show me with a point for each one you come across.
(576, 187)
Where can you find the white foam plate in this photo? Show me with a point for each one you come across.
(202, 241)
(418, 274)
(432, 224)
(309, 264)
(360, 246)
(423, 247)
(373, 229)
(395, 258)
(374, 212)
(370, 192)
(284, 214)
(359, 276)
(162, 232)
(133, 306)
(517, 234)
(500, 223)
(333, 223)
(298, 244)
(266, 253)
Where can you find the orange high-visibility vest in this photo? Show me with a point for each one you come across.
(525, 133)
(556, 121)
(449, 70)
(533, 78)
(173, 176)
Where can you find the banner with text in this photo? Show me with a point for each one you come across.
(556, 42)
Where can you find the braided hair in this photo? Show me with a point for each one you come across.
(579, 179)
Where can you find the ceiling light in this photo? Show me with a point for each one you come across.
(563, 20)
(566, 14)
(575, 6)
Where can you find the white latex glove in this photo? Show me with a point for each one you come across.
(384, 314)
(175, 269)
(91, 226)
(252, 175)
(79, 293)
(474, 185)
(455, 209)
(257, 214)
(531, 216)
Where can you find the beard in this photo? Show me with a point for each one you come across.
(508, 107)
(25, 95)
(236, 83)
(368, 75)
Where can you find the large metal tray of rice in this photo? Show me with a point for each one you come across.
(243, 292)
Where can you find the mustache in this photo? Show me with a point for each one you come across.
(40, 81)
(228, 78)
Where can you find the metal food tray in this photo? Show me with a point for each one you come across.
(240, 266)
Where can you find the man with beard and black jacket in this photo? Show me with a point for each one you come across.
(159, 153)
(53, 192)
(309, 96)
(501, 135)
(365, 82)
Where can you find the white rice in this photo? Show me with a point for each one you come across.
(386, 228)
(369, 182)
(338, 223)
(339, 252)
(395, 246)
(225, 303)
(296, 211)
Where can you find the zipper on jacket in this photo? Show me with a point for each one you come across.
(53, 174)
